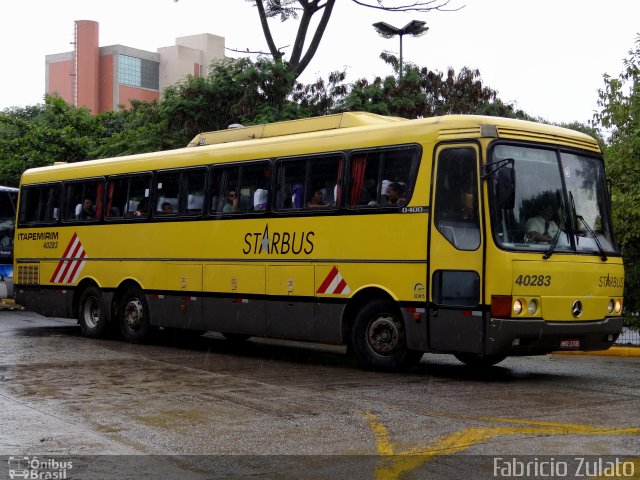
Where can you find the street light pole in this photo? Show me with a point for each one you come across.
(415, 28)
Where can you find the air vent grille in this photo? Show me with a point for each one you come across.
(28, 274)
(582, 142)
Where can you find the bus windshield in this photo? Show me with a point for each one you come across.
(560, 202)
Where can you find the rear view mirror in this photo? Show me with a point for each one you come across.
(506, 188)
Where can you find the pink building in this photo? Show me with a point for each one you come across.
(103, 78)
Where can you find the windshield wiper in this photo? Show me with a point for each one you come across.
(552, 247)
(554, 242)
(603, 255)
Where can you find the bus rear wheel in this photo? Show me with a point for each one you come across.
(134, 316)
(478, 360)
(378, 337)
(92, 313)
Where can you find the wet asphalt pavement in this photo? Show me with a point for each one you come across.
(206, 407)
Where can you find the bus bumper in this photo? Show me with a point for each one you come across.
(537, 337)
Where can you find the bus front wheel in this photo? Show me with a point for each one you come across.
(378, 337)
(92, 313)
(134, 316)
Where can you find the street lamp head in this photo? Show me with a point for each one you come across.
(414, 28)
(385, 30)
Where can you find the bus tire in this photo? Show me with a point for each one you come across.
(92, 313)
(134, 316)
(378, 337)
(478, 360)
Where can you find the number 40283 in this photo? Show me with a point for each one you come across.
(534, 280)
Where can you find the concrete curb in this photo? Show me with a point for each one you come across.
(613, 351)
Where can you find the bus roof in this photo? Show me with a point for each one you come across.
(315, 135)
(291, 127)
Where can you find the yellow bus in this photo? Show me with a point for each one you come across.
(475, 236)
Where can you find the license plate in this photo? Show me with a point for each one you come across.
(570, 344)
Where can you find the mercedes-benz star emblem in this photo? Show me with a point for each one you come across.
(576, 308)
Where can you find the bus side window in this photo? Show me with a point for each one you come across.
(308, 182)
(167, 191)
(225, 196)
(127, 195)
(456, 203)
(323, 174)
(240, 189)
(116, 197)
(84, 200)
(40, 204)
(192, 190)
(216, 176)
(371, 173)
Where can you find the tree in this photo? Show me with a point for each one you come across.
(141, 128)
(40, 135)
(620, 115)
(234, 91)
(425, 93)
(306, 9)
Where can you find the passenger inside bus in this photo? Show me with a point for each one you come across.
(316, 200)
(167, 208)
(231, 201)
(88, 211)
(542, 228)
(395, 192)
(143, 208)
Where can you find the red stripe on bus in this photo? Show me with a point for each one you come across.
(340, 286)
(77, 264)
(69, 264)
(328, 280)
(64, 255)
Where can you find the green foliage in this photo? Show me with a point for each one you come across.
(40, 135)
(321, 97)
(620, 115)
(235, 91)
(139, 129)
(425, 93)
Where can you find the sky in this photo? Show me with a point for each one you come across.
(548, 57)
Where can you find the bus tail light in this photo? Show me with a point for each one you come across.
(416, 313)
(501, 306)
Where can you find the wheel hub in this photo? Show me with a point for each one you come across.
(91, 312)
(384, 335)
(134, 313)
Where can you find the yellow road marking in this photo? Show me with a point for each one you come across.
(402, 462)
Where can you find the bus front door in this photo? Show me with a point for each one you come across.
(455, 252)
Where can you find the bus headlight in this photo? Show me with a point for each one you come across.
(517, 307)
(611, 305)
(618, 306)
(533, 307)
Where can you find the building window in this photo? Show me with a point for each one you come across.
(138, 72)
